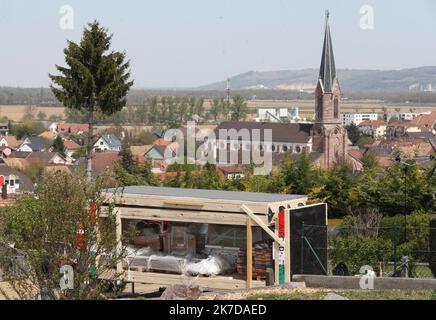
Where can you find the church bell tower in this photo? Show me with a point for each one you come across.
(329, 137)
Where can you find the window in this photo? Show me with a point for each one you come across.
(298, 149)
(285, 148)
(336, 107)
(319, 108)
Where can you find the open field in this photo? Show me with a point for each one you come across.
(17, 112)
(307, 107)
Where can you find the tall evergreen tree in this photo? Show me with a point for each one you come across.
(58, 145)
(96, 79)
(127, 161)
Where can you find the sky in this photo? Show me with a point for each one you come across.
(188, 43)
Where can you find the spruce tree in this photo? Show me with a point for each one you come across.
(58, 145)
(96, 79)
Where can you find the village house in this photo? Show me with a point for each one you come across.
(232, 172)
(34, 144)
(422, 123)
(14, 182)
(71, 147)
(108, 142)
(4, 129)
(373, 128)
(10, 141)
(105, 162)
(75, 129)
(49, 135)
(46, 158)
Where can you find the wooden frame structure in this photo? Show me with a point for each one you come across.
(206, 207)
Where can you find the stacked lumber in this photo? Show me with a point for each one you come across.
(262, 260)
(169, 264)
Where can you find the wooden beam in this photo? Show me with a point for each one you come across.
(119, 232)
(287, 246)
(217, 282)
(182, 202)
(174, 215)
(206, 204)
(261, 224)
(276, 256)
(249, 254)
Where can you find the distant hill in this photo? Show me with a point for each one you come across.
(405, 80)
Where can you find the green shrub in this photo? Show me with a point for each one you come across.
(357, 251)
(416, 244)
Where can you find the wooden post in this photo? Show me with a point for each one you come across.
(249, 254)
(288, 245)
(276, 255)
(119, 231)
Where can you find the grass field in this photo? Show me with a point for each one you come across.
(352, 295)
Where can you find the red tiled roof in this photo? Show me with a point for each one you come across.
(12, 141)
(72, 128)
(230, 169)
(372, 123)
(105, 161)
(356, 154)
(71, 145)
(425, 121)
(48, 135)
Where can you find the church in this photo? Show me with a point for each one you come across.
(325, 140)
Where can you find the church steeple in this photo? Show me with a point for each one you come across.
(327, 91)
(327, 72)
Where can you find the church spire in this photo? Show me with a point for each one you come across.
(327, 72)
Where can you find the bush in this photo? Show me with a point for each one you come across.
(416, 244)
(357, 251)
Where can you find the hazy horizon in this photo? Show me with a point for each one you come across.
(183, 45)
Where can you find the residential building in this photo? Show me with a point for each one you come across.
(232, 172)
(71, 147)
(75, 129)
(108, 142)
(10, 141)
(373, 128)
(34, 144)
(49, 135)
(4, 129)
(357, 118)
(14, 182)
(421, 123)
